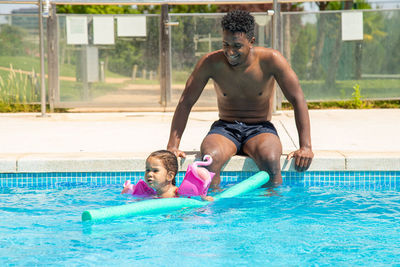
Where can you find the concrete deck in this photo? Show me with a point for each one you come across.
(342, 140)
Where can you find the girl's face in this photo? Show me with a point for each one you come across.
(156, 175)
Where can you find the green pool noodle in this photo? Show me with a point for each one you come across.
(151, 206)
(163, 205)
(245, 186)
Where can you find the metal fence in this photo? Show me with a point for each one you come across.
(330, 68)
(19, 59)
(121, 74)
(126, 72)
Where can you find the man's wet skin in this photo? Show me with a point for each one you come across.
(244, 87)
(244, 76)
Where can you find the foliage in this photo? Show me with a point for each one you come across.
(382, 39)
(19, 88)
(302, 51)
(96, 9)
(125, 53)
(392, 42)
(126, 9)
(193, 8)
(20, 62)
(123, 57)
(12, 40)
(374, 88)
(356, 96)
(369, 104)
(329, 59)
(17, 107)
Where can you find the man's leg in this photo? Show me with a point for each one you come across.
(266, 150)
(220, 149)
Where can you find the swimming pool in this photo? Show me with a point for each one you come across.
(314, 218)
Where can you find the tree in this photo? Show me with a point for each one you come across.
(302, 52)
(392, 42)
(12, 40)
(374, 44)
(144, 53)
(126, 52)
(96, 9)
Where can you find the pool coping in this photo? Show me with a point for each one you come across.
(110, 162)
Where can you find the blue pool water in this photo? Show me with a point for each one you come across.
(296, 224)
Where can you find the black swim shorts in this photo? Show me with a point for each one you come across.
(239, 132)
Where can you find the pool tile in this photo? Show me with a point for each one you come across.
(362, 179)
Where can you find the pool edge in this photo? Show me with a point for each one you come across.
(98, 162)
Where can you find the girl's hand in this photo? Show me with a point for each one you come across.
(207, 198)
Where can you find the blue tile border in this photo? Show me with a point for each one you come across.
(362, 179)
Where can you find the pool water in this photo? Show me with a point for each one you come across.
(292, 225)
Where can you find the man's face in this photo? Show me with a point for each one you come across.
(236, 47)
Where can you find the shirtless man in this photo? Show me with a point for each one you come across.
(244, 77)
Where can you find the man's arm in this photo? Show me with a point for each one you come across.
(289, 83)
(193, 89)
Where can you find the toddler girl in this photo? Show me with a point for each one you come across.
(161, 169)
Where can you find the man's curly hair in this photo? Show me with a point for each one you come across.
(239, 21)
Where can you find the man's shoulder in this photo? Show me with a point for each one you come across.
(265, 53)
(214, 56)
(212, 59)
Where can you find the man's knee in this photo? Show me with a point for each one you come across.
(218, 157)
(219, 148)
(270, 162)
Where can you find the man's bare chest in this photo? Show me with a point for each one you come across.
(242, 83)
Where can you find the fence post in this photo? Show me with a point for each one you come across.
(102, 72)
(134, 71)
(276, 44)
(165, 58)
(42, 71)
(52, 58)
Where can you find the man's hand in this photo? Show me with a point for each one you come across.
(303, 158)
(178, 153)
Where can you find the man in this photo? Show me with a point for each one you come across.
(243, 77)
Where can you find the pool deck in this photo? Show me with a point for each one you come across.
(120, 141)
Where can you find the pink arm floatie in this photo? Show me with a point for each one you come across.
(197, 179)
(140, 189)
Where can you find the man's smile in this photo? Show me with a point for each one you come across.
(233, 60)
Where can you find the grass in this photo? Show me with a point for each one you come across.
(180, 76)
(13, 108)
(348, 104)
(73, 91)
(20, 63)
(28, 63)
(144, 82)
(378, 88)
(18, 88)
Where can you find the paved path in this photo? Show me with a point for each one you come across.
(332, 130)
(371, 133)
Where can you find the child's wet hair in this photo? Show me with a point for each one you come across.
(239, 21)
(169, 161)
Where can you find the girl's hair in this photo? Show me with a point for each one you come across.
(239, 21)
(169, 161)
